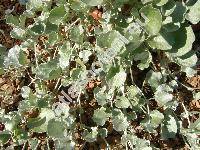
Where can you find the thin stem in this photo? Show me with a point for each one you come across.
(81, 148)
(187, 87)
(32, 81)
(71, 25)
(79, 102)
(57, 83)
(187, 115)
(35, 50)
(107, 145)
(48, 147)
(38, 143)
(54, 54)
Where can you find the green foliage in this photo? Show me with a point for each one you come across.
(118, 118)
(66, 45)
(48, 71)
(170, 127)
(153, 19)
(194, 14)
(100, 116)
(57, 14)
(15, 58)
(55, 128)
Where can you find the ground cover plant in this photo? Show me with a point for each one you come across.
(99, 74)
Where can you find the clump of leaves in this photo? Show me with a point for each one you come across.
(58, 51)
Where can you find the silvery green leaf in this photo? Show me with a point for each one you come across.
(12, 119)
(189, 71)
(161, 2)
(65, 52)
(12, 20)
(2, 51)
(101, 95)
(34, 5)
(154, 78)
(76, 34)
(76, 73)
(119, 79)
(135, 142)
(53, 38)
(92, 135)
(196, 125)
(79, 6)
(146, 1)
(156, 118)
(119, 120)
(48, 71)
(55, 129)
(18, 33)
(21, 136)
(85, 55)
(163, 41)
(111, 39)
(194, 13)
(100, 116)
(131, 116)
(105, 39)
(153, 19)
(57, 14)
(144, 57)
(163, 94)
(43, 17)
(193, 140)
(29, 13)
(27, 44)
(35, 122)
(134, 34)
(64, 144)
(62, 110)
(14, 58)
(122, 102)
(25, 91)
(132, 91)
(187, 61)
(22, 21)
(92, 2)
(40, 123)
(173, 84)
(106, 57)
(197, 96)
(169, 129)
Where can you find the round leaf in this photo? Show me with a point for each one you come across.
(153, 19)
(55, 128)
(57, 14)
